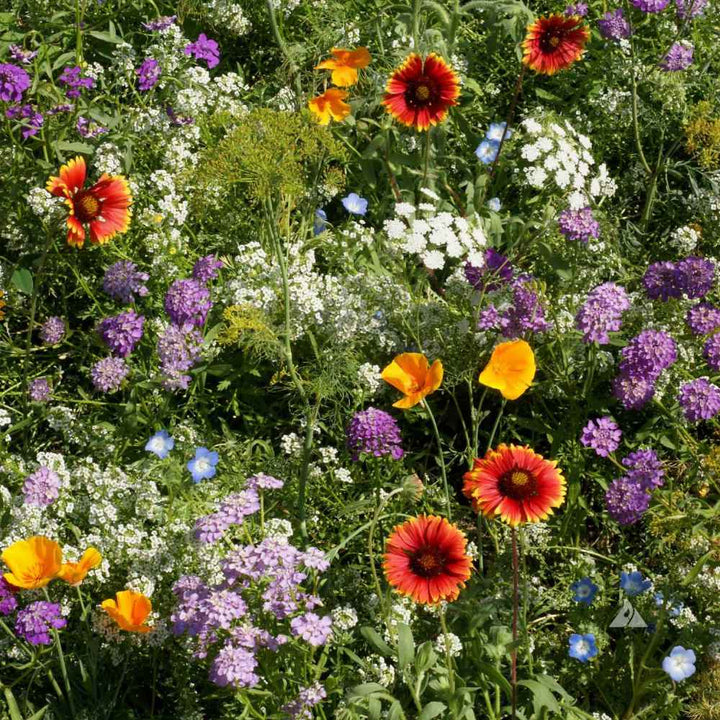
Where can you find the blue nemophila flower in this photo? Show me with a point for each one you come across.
(494, 204)
(679, 664)
(673, 608)
(355, 204)
(320, 222)
(160, 443)
(585, 590)
(582, 647)
(487, 151)
(634, 583)
(202, 466)
(496, 130)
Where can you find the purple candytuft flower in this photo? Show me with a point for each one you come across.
(703, 318)
(580, 9)
(650, 6)
(694, 276)
(312, 628)
(88, 129)
(14, 81)
(579, 225)
(187, 302)
(72, 78)
(496, 272)
(52, 331)
(614, 26)
(626, 500)
(161, 23)
(8, 601)
(525, 313)
(645, 468)
(57, 109)
(236, 507)
(699, 400)
(602, 435)
(206, 269)
(234, 666)
(678, 57)
(148, 74)
(690, 8)
(210, 528)
(30, 120)
(261, 481)
(178, 120)
(647, 355)
(315, 559)
(633, 393)
(39, 390)
(602, 313)
(489, 318)
(660, 281)
(42, 487)
(36, 622)
(204, 49)
(178, 350)
(25, 57)
(121, 333)
(108, 374)
(374, 432)
(711, 351)
(123, 281)
(301, 707)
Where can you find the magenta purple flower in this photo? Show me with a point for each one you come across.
(645, 468)
(36, 622)
(234, 666)
(660, 281)
(312, 628)
(8, 601)
(74, 81)
(374, 432)
(42, 487)
(160, 23)
(52, 331)
(179, 350)
(690, 8)
(602, 313)
(39, 390)
(206, 269)
(121, 333)
(711, 351)
(21, 55)
(695, 276)
(108, 374)
(88, 129)
(204, 49)
(123, 281)
(633, 393)
(650, 6)
(148, 74)
(14, 81)
(647, 355)
(602, 435)
(579, 225)
(187, 302)
(580, 9)
(524, 314)
(495, 273)
(626, 500)
(679, 57)
(699, 400)
(614, 25)
(30, 120)
(703, 318)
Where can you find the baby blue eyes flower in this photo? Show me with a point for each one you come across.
(202, 466)
(673, 608)
(487, 151)
(585, 590)
(161, 444)
(320, 222)
(582, 647)
(634, 584)
(679, 664)
(494, 204)
(354, 204)
(496, 130)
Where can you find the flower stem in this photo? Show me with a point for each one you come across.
(516, 593)
(495, 426)
(294, 70)
(441, 458)
(448, 656)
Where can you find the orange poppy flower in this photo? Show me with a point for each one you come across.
(554, 43)
(414, 377)
(515, 483)
(419, 92)
(104, 207)
(33, 562)
(330, 105)
(510, 370)
(425, 559)
(344, 65)
(130, 610)
(75, 573)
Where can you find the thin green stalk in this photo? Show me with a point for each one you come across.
(448, 657)
(495, 426)
(441, 458)
(294, 70)
(63, 665)
(426, 161)
(417, 8)
(379, 507)
(516, 593)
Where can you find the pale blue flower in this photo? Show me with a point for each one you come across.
(582, 647)
(320, 222)
(494, 204)
(673, 608)
(202, 466)
(496, 130)
(160, 443)
(679, 664)
(487, 151)
(355, 204)
(585, 590)
(634, 583)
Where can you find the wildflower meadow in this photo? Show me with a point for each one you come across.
(359, 360)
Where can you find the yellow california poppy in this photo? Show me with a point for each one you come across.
(75, 573)
(130, 610)
(510, 370)
(344, 65)
(414, 377)
(330, 105)
(33, 562)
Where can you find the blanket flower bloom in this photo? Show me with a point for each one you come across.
(104, 207)
(414, 377)
(420, 92)
(511, 369)
(515, 483)
(33, 563)
(330, 105)
(425, 559)
(130, 610)
(344, 65)
(554, 43)
(75, 573)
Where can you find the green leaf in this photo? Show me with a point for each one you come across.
(431, 710)
(372, 636)
(406, 645)
(374, 709)
(13, 708)
(22, 279)
(396, 712)
(542, 697)
(75, 147)
(426, 657)
(496, 676)
(366, 689)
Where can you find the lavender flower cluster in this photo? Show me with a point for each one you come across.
(602, 313)
(693, 277)
(524, 314)
(36, 622)
(374, 432)
(628, 497)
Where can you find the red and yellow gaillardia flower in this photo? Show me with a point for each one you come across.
(420, 92)
(2, 304)
(130, 610)
(33, 563)
(511, 369)
(425, 559)
(330, 105)
(554, 43)
(104, 207)
(75, 573)
(515, 483)
(345, 64)
(412, 374)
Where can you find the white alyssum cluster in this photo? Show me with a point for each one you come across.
(230, 16)
(451, 641)
(344, 618)
(369, 378)
(44, 205)
(684, 239)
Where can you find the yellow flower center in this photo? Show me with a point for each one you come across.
(87, 207)
(555, 41)
(427, 562)
(422, 92)
(519, 478)
(518, 484)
